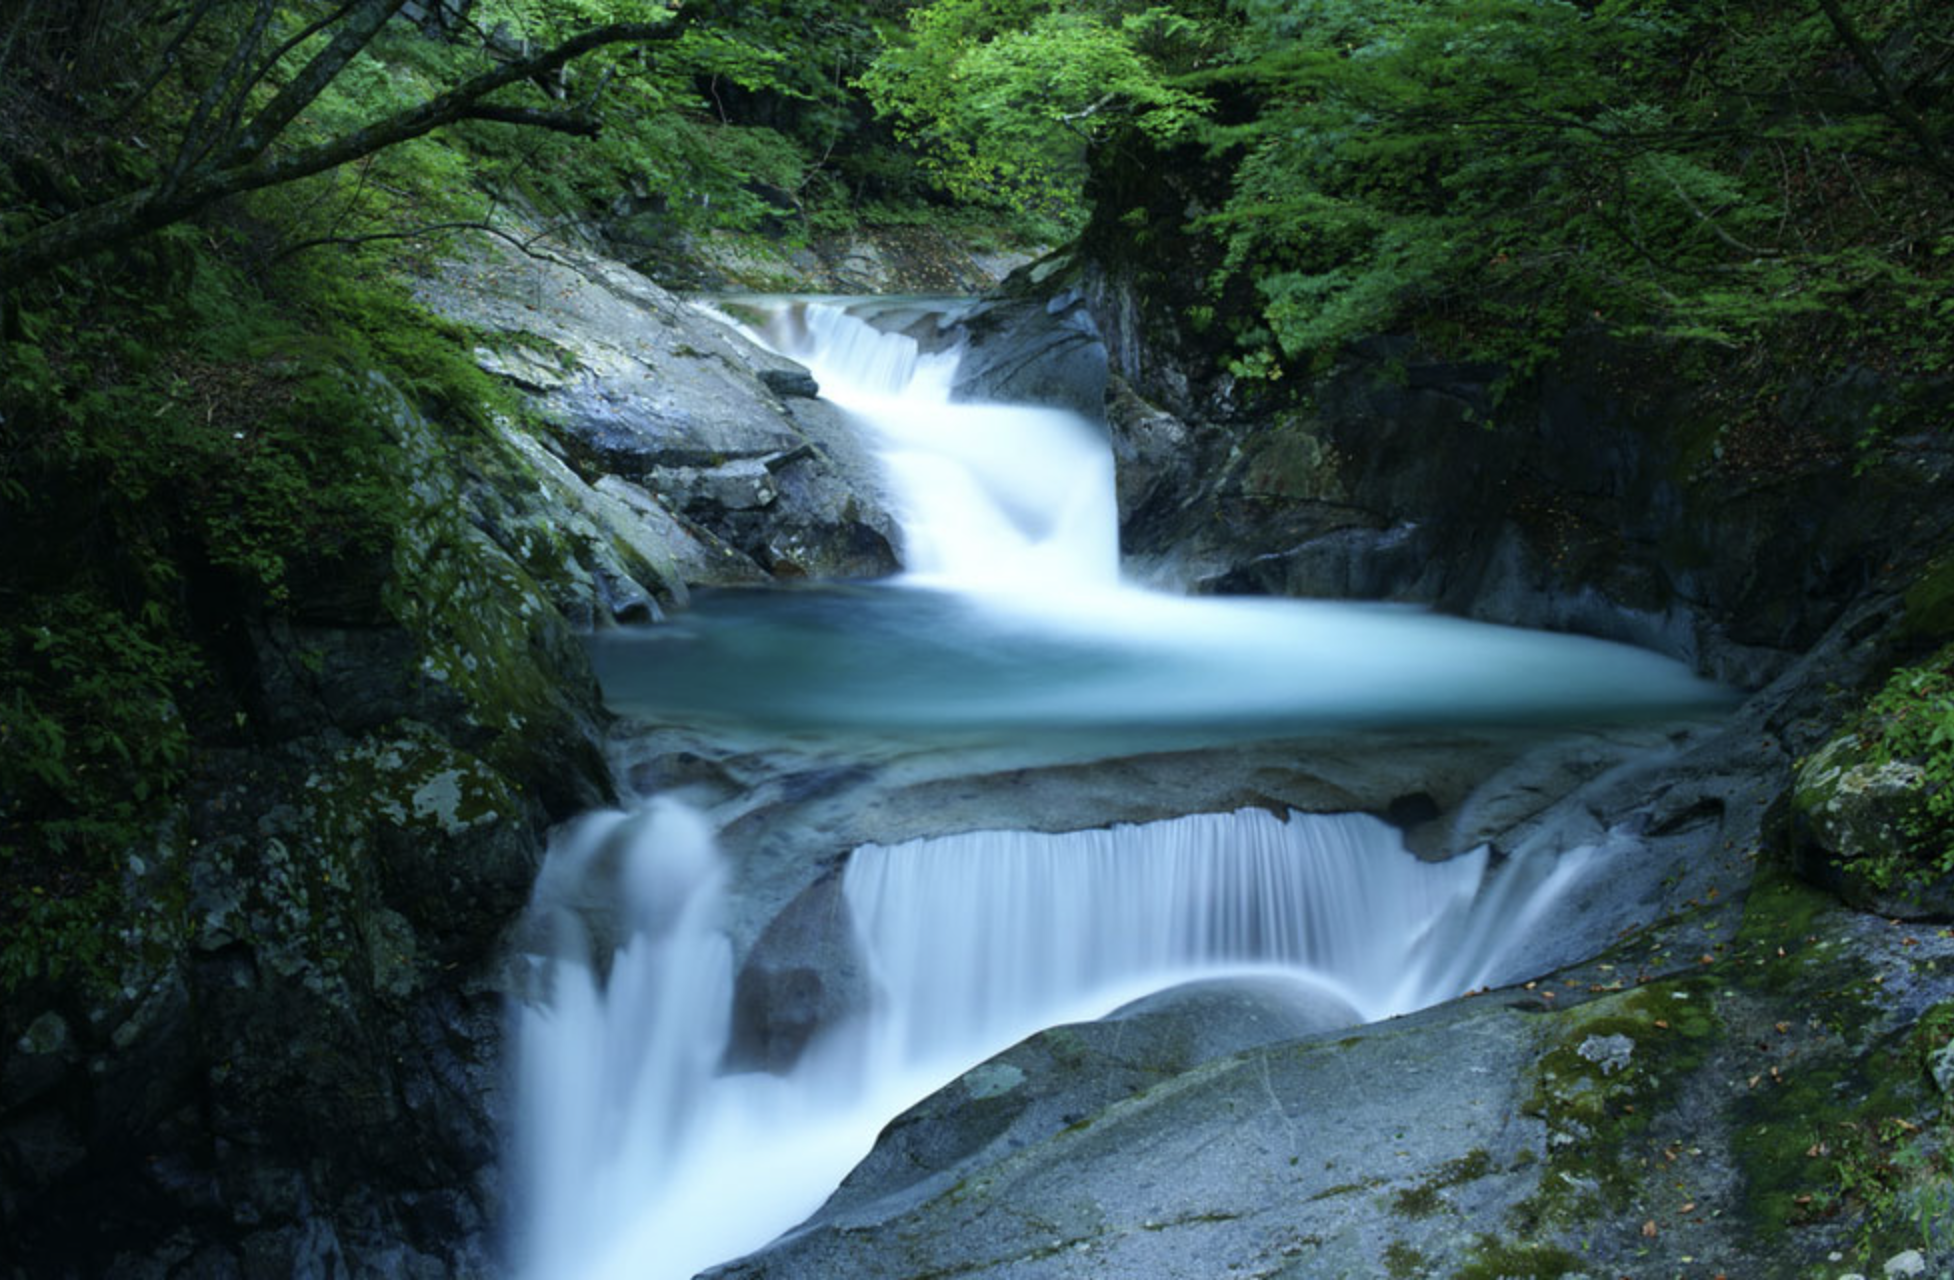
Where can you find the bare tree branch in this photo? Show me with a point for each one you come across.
(167, 61)
(197, 136)
(358, 30)
(524, 244)
(1711, 224)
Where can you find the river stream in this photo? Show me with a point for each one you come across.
(1009, 636)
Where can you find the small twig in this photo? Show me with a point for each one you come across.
(164, 63)
(1715, 228)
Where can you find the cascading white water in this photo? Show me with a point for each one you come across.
(1009, 500)
(984, 938)
(638, 1157)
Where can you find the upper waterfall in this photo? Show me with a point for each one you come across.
(1011, 500)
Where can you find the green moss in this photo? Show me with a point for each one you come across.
(1422, 1200)
(418, 781)
(1852, 1137)
(1930, 601)
(1346, 1189)
(1402, 1262)
(1852, 1133)
(1494, 1259)
(1779, 949)
(1609, 1071)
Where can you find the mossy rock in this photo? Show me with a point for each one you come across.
(488, 634)
(1856, 815)
(1930, 601)
(455, 839)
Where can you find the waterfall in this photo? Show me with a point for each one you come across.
(982, 939)
(641, 1160)
(637, 1155)
(1005, 500)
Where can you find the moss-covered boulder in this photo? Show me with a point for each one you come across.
(1864, 829)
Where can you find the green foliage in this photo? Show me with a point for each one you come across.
(1005, 99)
(1503, 171)
(91, 741)
(177, 450)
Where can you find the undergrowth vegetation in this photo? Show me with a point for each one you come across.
(191, 440)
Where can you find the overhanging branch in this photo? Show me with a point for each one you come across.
(583, 126)
(245, 167)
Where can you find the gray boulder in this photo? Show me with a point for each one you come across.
(1028, 348)
(638, 385)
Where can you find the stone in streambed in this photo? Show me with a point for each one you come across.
(804, 975)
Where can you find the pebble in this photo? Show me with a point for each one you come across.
(1910, 1263)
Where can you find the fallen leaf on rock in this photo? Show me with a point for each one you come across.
(1648, 1229)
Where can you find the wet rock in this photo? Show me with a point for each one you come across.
(804, 975)
(1941, 1068)
(1908, 1263)
(1611, 1053)
(698, 557)
(791, 382)
(640, 386)
(1034, 350)
(37, 1059)
(1098, 1149)
(744, 485)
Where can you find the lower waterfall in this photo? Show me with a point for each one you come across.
(640, 1158)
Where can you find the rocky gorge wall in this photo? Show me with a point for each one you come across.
(293, 1066)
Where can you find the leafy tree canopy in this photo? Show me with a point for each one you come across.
(1502, 170)
(1005, 98)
